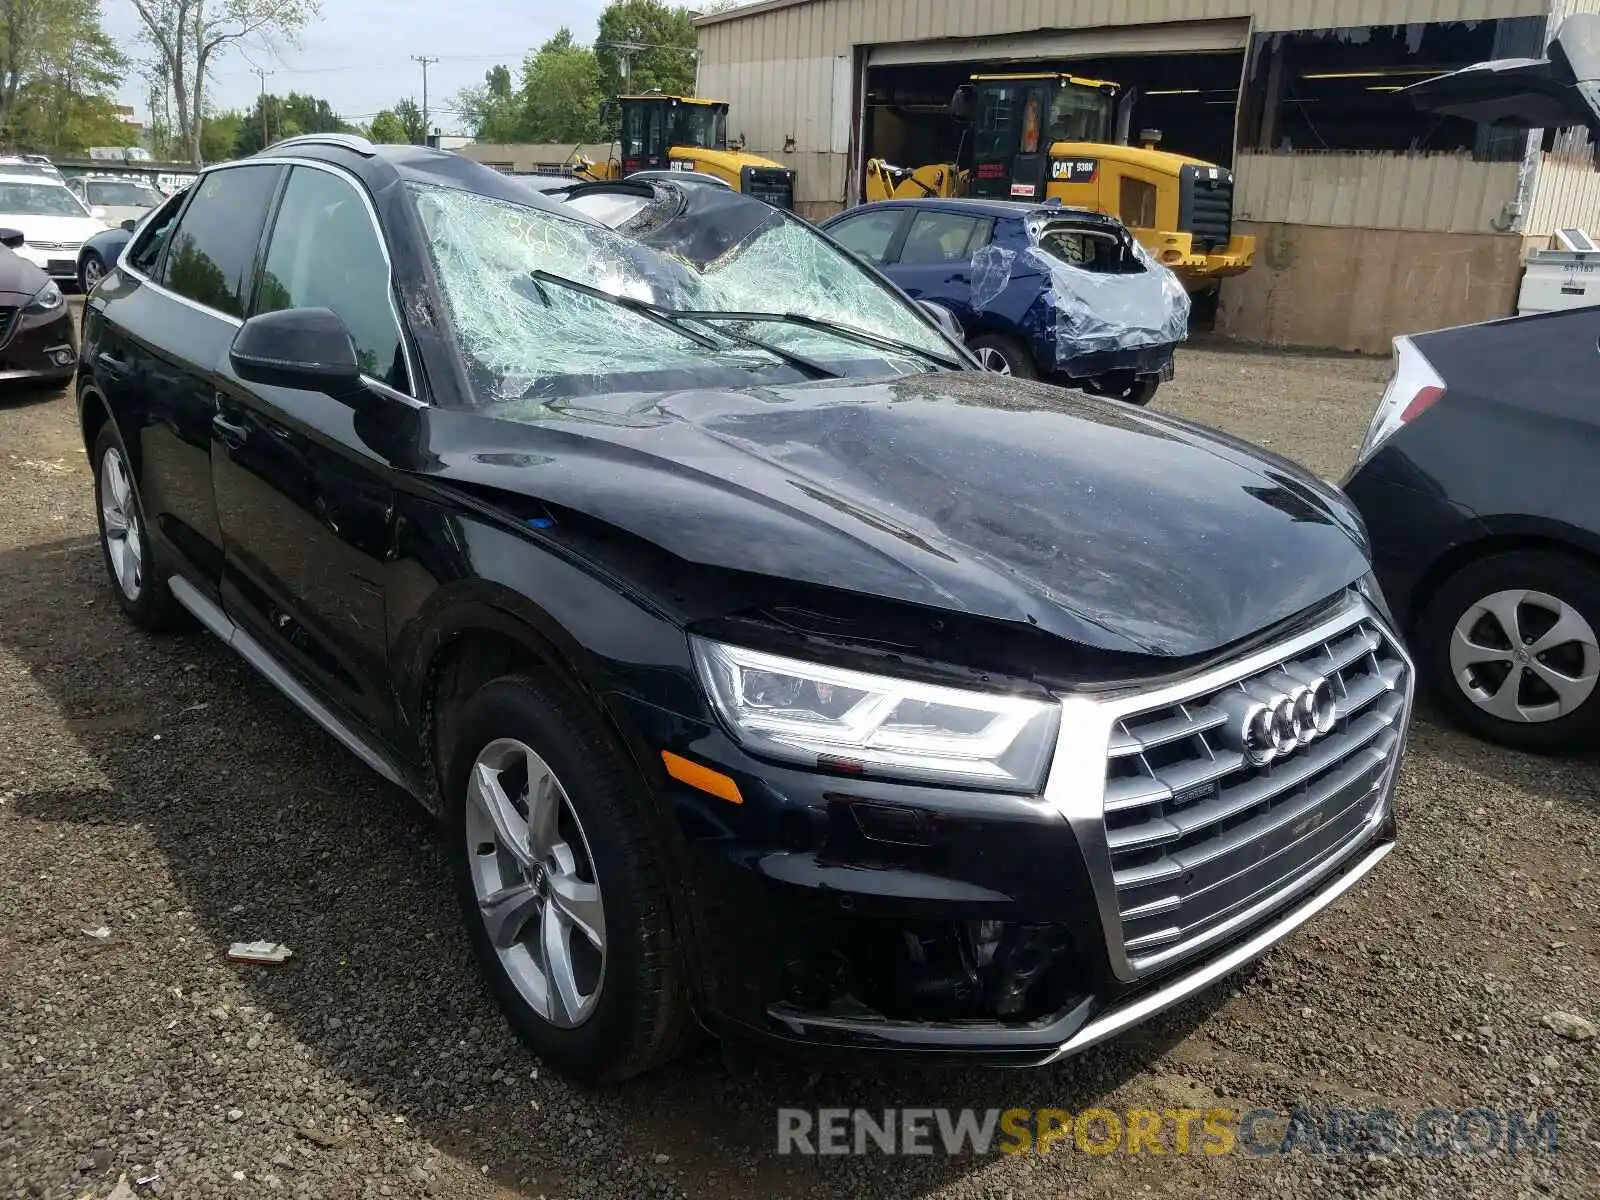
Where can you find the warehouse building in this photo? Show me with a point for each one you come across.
(1371, 219)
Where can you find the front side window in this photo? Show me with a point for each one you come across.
(215, 242)
(147, 243)
(325, 253)
(527, 342)
(39, 200)
(999, 106)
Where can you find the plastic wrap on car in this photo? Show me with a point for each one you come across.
(991, 273)
(1096, 312)
(1088, 312)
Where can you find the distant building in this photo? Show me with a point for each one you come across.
(1371, 218)
(528, 158)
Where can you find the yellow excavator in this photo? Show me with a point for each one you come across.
(1037, 137)
(688, 133)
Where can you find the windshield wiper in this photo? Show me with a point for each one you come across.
(673, 319)
(653, 312)
(838, 329)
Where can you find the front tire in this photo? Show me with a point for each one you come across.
(560, 885)
(1508, 647)
(137, 579)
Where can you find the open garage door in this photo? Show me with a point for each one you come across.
(1178, 37)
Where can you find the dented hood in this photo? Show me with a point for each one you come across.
(1100, 523)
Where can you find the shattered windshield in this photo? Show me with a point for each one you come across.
(525, 339)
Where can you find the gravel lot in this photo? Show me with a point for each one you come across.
(158, 802)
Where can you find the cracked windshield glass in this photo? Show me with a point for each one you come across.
(528, 341)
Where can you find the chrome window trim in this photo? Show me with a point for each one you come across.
(377, 228)
(1075, 786)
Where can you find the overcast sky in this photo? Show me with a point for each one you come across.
(357, 55)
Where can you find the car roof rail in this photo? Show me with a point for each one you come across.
(345, 141)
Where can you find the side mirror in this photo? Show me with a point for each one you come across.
(12, 239)
(964, 104)
(130, 224)
(309, 349)
(98, 213)
(945, 320)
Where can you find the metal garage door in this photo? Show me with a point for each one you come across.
(1179, 37)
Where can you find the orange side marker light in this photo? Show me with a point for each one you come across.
(713, 783)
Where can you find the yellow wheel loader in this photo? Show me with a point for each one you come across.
(1049, 136)
(687, 133)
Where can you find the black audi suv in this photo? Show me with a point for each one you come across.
(765, 661)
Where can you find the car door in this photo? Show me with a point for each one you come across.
(304, 500)
(156, 343)
(872, 233)
(935, 259)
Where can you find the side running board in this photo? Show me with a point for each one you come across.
(254, 653)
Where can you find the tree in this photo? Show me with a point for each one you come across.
(492, 111)
(561, 91)
(219, 140)
(410, 118)
(276, 117)
(645, 46)
(388, 129)
(58, 73)
(189, 36)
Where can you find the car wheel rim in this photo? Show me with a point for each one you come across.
(92, 271)
(1525, 656)
(119, 524)
(991, 359)
(533, 875)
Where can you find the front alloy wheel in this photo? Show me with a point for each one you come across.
(546, 810)
(990, 359)
(533, 873)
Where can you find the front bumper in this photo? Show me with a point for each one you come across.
(60, 264)
(41, 348)
(852, 916)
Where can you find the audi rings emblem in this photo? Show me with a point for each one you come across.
(1279, 723)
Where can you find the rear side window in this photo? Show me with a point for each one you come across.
(1090, 250)
(870, 234)
(939, 237)
(325, 253)
(147, 243)
(215, 243)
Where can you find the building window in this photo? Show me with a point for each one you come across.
(1339, 89)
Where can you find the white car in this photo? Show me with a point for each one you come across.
(52, 220)
(122, 199)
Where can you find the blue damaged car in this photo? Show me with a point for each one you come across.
(1041, 291)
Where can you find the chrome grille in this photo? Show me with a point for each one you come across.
(1199, 837)
(55, 247)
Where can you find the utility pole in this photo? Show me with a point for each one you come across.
(262, 74)
(426, 61)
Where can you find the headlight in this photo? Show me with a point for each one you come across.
(46, 299)
(863, 724)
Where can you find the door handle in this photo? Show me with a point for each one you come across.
(117, 366)
(232, 435)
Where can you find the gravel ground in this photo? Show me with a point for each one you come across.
(157, 802)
